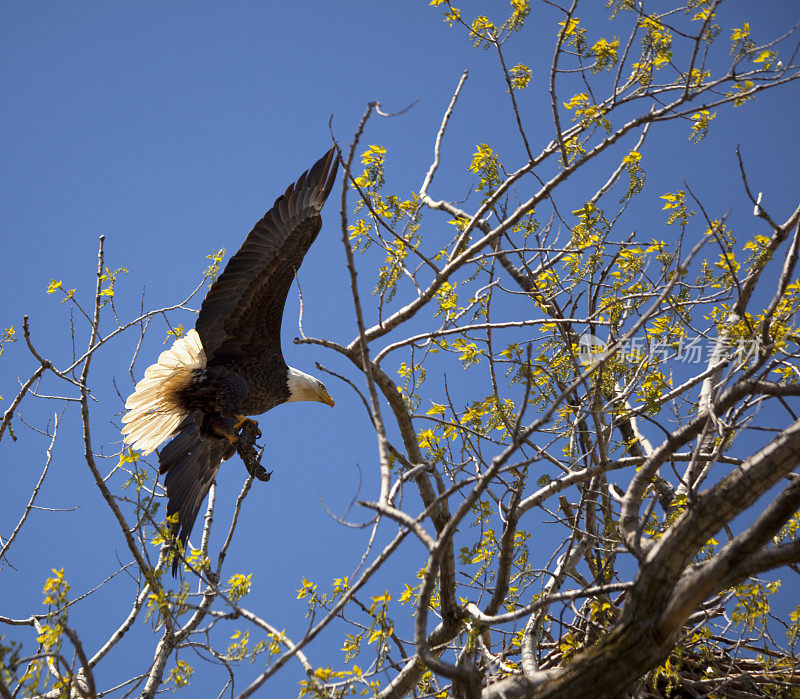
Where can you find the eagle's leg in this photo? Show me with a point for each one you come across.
(242, 419)
(214, 425)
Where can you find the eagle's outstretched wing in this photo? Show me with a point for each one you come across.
(241, 315)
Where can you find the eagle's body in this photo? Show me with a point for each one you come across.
(231, 365)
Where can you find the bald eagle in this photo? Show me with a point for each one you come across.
(231, 364)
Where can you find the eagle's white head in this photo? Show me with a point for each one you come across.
(302, 386)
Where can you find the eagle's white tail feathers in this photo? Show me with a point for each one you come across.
(153, 412)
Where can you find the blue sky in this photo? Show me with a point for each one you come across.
(170, 128)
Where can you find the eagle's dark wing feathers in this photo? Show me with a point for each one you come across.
(191, 463)
(241, 315)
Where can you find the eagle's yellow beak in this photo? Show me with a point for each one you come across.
(325, 397)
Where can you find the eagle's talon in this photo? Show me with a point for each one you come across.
(218, 429)
(244, 420)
